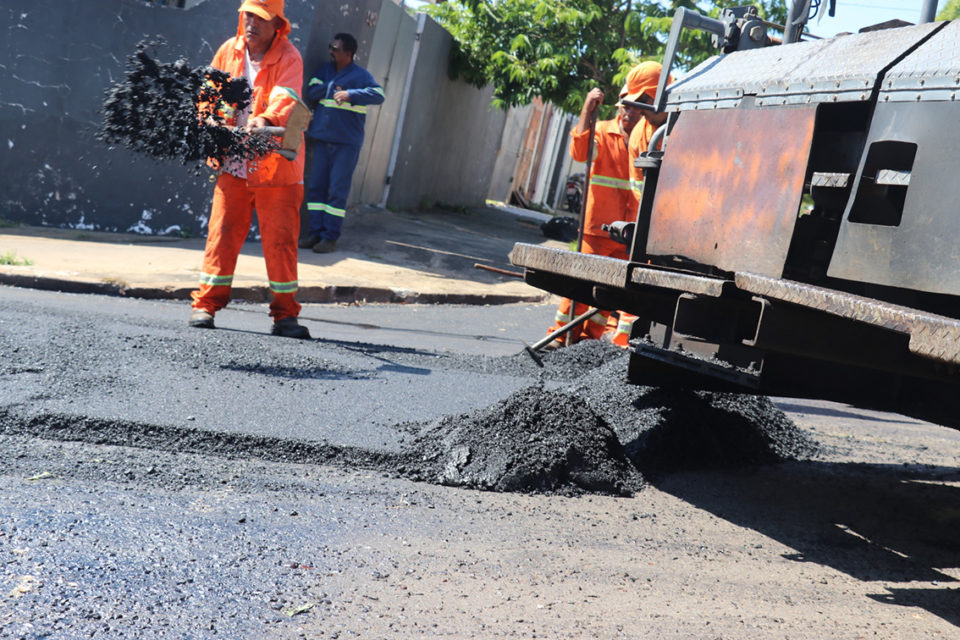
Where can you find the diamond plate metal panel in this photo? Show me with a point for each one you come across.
(845, 68)
(722, 81)
(583, 266)
(931, 336)
(672, 279)
(829, 179)
(893, 177)
(932, 72)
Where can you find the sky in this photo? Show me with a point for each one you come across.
(854, 14)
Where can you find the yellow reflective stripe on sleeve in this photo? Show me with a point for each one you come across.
(314, 81)
(345, 106)
(283, 287)
(379, 90)
(613, 183)
(279, 91)
(215, 280)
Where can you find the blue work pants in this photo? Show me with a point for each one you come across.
(329, 187)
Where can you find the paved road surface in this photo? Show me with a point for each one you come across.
(106, 540)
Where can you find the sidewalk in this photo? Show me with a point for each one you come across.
(382, 256)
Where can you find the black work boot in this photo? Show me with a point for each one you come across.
(325, 246)
(201, 319)
(307, 242)
(290, 328)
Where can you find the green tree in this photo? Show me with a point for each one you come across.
(951, 11)
(560, 49)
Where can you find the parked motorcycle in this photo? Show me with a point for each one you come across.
(574, 193)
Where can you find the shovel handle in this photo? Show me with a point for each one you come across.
(289, 154)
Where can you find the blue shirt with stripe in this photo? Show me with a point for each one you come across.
(341, 124)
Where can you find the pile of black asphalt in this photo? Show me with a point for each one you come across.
(598, 433)
(172, 111)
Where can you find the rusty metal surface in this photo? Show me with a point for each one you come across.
(691, 283)
(596, 269)
(931, 336)
(730, 186)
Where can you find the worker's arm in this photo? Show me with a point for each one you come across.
(580, 134)
(316, 89)
(284, 94)
(590, 104)
(370, 93)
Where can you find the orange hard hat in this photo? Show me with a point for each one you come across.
(642, 79)
(266, 9)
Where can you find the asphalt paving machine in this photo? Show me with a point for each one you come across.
(799, 229)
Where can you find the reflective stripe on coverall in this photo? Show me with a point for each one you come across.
(274, 186)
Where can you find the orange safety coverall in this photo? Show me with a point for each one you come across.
(273, 186)
(610, 198)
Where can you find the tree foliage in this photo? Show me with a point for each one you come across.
(951, 11)
(560, 49)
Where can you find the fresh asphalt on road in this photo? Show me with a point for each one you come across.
(367, 369)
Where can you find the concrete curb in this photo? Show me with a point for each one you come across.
(308, 294)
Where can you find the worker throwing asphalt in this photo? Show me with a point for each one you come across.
(271, 184)
(610, 198)
(342, 91)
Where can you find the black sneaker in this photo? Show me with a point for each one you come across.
(290, 328)
(201, 319)
(308, 241)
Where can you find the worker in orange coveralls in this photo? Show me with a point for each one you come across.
(647, 77)
(271, 184)
(611, 197)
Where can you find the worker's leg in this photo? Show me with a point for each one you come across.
(343, 162)
(621, 336)
(601, 246)
(318, 187)
(230, 217)
(564, 315)
(278, 211)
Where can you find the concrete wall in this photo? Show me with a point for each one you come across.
(451, 135)
(388, 62)
(58, 58)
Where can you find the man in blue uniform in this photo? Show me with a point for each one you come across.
(342, 91)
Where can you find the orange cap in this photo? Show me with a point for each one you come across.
(266, 9)
(642, 79)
